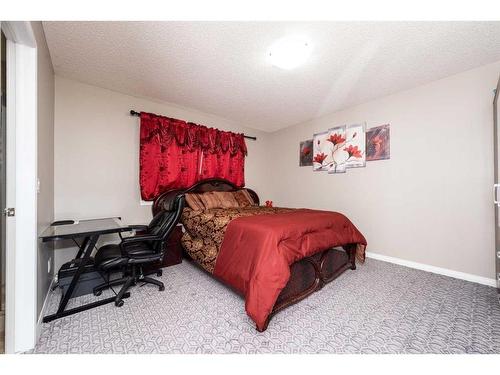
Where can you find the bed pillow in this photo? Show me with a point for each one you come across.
(194, 201)
(219, 199)
(210, 200)
(243, 198)
(226, 199)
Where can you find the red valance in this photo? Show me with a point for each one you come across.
(176, 154)
(193, 135)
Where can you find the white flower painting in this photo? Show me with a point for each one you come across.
(339, 148)
(355, 146)
(336, 137)
(322, 152)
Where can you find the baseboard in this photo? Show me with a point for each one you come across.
(433, 269)
(43, 312)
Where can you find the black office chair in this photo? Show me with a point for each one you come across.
(132, 253)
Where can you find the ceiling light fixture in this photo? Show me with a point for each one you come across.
(289, 52)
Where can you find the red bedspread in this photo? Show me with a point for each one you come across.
(257, 252)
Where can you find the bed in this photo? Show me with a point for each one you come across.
(273, 257)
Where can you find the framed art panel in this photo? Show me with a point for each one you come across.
(306, 153)
(337, 138)
(322, 152)
(355, 146)
(378, 143)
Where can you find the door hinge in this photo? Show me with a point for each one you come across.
(9, 211)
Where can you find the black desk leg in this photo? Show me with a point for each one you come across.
(85, 250)
(86, 255)
(78, 309)
(82, 247)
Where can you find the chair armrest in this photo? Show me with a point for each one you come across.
(138, 227)
(135, 229)
(140, 238)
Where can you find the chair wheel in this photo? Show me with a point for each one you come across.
(162, 288)
(119, 303)
(97, 293)
(159, 273)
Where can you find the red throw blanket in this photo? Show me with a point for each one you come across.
(257, 252)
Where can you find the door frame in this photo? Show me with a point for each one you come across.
(21, 169)
(496, 185)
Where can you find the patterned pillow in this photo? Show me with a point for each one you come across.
(210, 200)
(226, 199)
(219, 199)
(194, 201)
(243, 198)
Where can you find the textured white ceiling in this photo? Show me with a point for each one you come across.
(221, 67)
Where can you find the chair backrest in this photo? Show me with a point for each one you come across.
(165, 221)
(156, 223)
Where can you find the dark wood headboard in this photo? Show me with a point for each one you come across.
(165, 200)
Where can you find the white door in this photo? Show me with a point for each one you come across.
(496, 117)
(8, 208)
(3, 185)
(21, 169)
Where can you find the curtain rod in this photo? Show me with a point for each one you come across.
(135, 113)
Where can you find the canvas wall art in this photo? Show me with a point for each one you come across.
(355, 146)
(322, 152)
(378, 143)
(306, 153)
(337, 138)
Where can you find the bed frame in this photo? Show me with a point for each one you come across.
(307, 275)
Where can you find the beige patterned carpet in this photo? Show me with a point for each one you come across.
(379, 308)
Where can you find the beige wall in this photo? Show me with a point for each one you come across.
(432, 201)
(97, 152)
(45, 207)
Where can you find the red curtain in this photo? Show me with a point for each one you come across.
(175, 154)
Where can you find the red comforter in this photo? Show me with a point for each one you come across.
(257, 252)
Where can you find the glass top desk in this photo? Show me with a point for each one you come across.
(84, 228)
(89, 231)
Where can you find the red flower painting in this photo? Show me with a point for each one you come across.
(306, 153)
(319, 158)
(339, 148)
(336, 139)
(353, 151)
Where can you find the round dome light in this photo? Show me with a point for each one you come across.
(290, 52)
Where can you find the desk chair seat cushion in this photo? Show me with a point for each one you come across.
(109, 256)
(140, 251)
